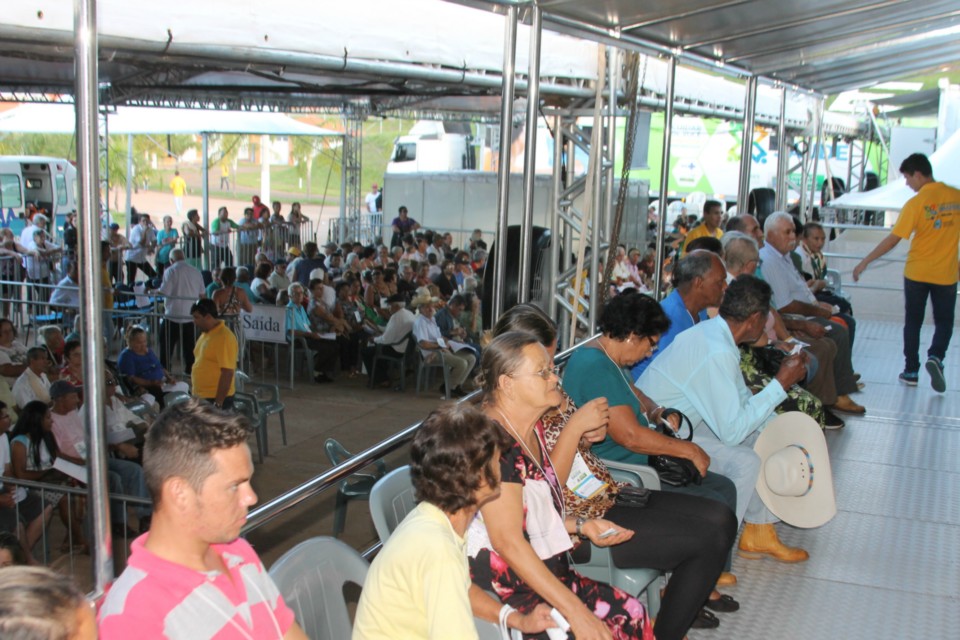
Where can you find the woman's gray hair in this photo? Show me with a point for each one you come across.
(502, 356)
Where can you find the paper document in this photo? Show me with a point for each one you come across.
(73, 470)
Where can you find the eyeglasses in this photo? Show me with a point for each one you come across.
(543, 373)
(111, 382)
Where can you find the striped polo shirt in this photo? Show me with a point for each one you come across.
(156, 598)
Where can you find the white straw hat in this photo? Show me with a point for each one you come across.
(795, 481)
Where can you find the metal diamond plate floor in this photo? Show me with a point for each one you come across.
(888, 565)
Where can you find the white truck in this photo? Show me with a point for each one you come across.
(433, 146)
(46, 183)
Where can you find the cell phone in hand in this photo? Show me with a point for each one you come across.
(609, 532)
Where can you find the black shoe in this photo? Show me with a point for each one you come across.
(458, 393)
(832, 421)
(723, 604)
(705, 620)
(322, 378)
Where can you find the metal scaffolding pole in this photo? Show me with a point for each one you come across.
(555, 222)
(746, 147)
(613, 78)
(664, 176)
(91, 298)
(783, 153)
(815, 147)
(530, 156)
(129, 176)
(503, 167)
(205, 180)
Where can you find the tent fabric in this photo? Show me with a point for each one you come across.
(891, 197)
(60, 118)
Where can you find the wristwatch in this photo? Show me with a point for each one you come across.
(580, 521)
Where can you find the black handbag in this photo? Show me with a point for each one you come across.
(677, 472)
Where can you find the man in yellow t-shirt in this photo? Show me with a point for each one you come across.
(179, 188)
(215, 356)
(709, 225)
(224, 176)
(932, 217)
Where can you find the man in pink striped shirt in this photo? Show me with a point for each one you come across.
(191, 576)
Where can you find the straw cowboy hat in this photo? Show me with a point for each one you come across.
(795, 480)
(423, 297)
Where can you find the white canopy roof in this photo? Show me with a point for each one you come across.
(60, 118)
(892, 197)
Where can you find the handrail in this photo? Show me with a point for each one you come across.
(279, 505)
(77, 491)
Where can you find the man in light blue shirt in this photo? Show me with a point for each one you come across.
(792, 296)
(699, 374)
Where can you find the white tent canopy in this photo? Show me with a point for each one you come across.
(60, 118)
(892, 197)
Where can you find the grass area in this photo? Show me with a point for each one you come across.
(291, 181)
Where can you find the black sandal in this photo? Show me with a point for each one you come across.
(723, 604)
(705, 620)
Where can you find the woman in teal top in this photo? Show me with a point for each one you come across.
(167, 240)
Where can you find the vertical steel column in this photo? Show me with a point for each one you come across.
(503, 167)
(613, 80)
(664, 176)
(205, 186)
(91, 298)
(265, 169)
(129, 176)
(342, 227)
(783, 156)
(746, 147)
(530, 155)
(807, 213)
(555, 222)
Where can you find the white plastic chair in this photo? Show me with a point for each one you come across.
(311, 577)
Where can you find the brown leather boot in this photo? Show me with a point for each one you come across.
(759, 540)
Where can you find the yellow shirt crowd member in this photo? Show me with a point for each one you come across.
(178, 185)
(215, 350)
(418, 584)
(933, 218)
(701, 231)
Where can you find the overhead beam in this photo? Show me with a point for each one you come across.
(799, 22)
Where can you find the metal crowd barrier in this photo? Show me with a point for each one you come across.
(47, 549)
(299, 495)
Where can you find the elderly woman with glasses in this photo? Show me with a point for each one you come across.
(686, 535)
(518, 548)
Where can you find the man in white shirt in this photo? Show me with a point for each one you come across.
(433, 345)
(142, 241)
(37, 223)
(182, 286)
(371, 199)
(33, 383)
(67, 292)
(398, 326)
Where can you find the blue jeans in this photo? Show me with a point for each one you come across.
(944, 300)
(126, 477)
(741, 465)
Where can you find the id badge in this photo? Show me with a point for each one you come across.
(582, 481)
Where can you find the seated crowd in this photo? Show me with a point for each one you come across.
(513, 488)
